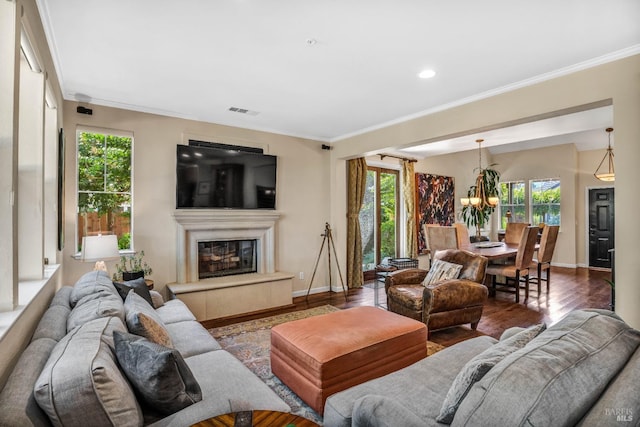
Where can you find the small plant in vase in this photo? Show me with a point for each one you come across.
(132, 267)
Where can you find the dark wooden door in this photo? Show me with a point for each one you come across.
(601, 226)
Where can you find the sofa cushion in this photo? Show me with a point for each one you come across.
(441, 271)
(81, 380)
(191, 338)
(143, 320)
(381, 411)
(139, 286)
(555, 378)
(158, 374)
(423, 385)
(94, 306)
(477, 367)
(174, 311)
(620, 401)
(91, 283)
(18, 406)
(227, 386)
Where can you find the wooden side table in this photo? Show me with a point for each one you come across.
(149, 283)
(257, 419)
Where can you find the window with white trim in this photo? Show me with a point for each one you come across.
(104, 186)
(545, 201)
(536, 204)
(512, 202)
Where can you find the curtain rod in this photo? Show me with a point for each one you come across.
(382, 156)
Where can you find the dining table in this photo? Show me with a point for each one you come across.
(493, 250)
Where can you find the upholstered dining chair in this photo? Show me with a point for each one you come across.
(439, 238)
(545, 253)
(462, 235)
(446, 302)
(513, 272)
(513, 232)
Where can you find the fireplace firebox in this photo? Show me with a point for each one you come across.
(226, 257)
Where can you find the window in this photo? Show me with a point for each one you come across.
(545, 201)
(104, 186)
(540, 205)
(378, 224)
(512, 200)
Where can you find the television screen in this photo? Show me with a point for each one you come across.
(224, 178)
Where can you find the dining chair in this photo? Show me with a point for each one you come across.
(462, 235)
(440, 237)
(513, 232)
(520, 268)
(545, 253)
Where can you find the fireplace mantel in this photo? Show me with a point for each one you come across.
(223, 224)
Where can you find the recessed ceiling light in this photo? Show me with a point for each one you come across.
(426, 74)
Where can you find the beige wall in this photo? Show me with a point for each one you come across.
(618, 81)
(302, 189)
(553, 162)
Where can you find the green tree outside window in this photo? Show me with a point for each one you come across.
(104, 186)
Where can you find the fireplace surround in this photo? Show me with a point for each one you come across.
(230, 295)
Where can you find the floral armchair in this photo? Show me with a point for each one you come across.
(443, 304)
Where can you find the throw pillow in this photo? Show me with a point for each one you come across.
(143, 320)
(477, 368)
(157, 299)
(81, 384)
(441, 271)
(138, 285)
(158, 374)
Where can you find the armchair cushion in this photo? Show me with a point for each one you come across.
(442, 270)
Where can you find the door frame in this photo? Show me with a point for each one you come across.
(586, 222)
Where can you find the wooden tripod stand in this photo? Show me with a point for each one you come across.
(327, 237)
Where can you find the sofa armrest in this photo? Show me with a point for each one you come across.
(454, 294)
(409, 276)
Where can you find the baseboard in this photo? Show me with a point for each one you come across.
(303, 293)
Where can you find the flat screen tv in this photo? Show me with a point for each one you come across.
(224, 178)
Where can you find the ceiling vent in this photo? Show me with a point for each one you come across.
(243, 111)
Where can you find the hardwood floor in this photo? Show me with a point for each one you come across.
(570, 289)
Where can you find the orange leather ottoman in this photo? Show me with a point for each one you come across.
(322, 355)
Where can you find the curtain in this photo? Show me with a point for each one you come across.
(409, 192)
(356, 183)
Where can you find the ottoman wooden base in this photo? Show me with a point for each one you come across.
(322, 355)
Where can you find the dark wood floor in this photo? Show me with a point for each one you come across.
(570, 289)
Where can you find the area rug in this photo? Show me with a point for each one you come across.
(250, 342)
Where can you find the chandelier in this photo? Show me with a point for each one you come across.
(481, 195)
(610, 174)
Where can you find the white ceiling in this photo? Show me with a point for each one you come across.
(325, 69)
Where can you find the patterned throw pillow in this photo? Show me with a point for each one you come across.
(441, 271)
(478, 367)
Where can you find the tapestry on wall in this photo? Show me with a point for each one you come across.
(434, 203)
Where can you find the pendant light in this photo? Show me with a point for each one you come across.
(608, 175)
(479, 199)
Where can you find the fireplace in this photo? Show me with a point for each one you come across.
(226, 257)
(197, 227)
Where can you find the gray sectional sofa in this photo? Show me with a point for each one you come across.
(584, 370)
(72, 366)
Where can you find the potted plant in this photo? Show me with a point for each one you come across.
(132, 267)
(486, 186)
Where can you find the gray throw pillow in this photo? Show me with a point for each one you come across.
(477, 368)
(441, 271)
(143, 320)
(159, 374)
(138, 285)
